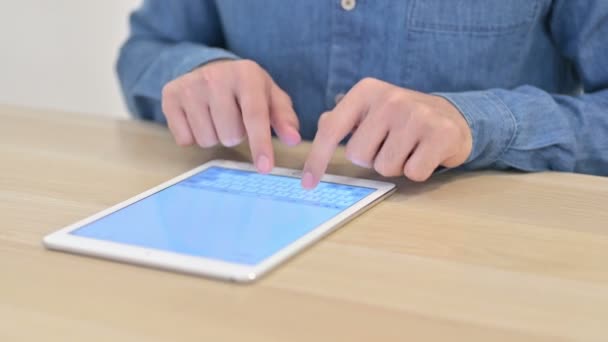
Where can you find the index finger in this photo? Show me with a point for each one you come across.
(255, 108)
(333, 127)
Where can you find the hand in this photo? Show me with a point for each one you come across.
(394, 130)
(226, 101)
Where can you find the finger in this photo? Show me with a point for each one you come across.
(423, 161)
(181, 130)
(176, 118)
(333, 127)
(400, 143)
(197, 113)
(366, 141)
(253, 96)
(394, 152)
(226, 117)
(283, 119)
(177, 121)
(449, 157)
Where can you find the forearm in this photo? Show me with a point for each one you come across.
(144, 67)
(531, 130)
(158, 51)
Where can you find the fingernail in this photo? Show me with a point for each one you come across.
(360, 163)
(263, 164)
(232, 142)
(308, 181)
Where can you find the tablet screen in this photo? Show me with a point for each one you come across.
(226, 214)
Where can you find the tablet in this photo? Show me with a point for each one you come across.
(222, 220)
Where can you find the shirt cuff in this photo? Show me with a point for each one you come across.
(493, 125)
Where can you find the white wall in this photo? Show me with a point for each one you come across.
(60, 54)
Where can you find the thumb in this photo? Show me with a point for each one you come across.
(283, 118)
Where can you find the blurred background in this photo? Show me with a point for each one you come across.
(60, 54)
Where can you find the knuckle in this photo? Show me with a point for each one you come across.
(232, 140)
(419, 117)
(350, 152)
(356, 156)
(323, 119)
(169, 90)
(421, 109)
(187, 91)
(445, 132)
(206, 142)
(381, 166)
(415, 174)
(325, 127)
(283, 97)
(369, 82)
(253, 112)
(168, 111)
(183, 140)
(246, 64)
(288, 100)
(210, 77)
(247, 69)
(238, 139)
(425, 120)
(248, 80)
(392, 105)
(447, 128)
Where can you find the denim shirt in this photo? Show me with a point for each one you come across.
(529, 76)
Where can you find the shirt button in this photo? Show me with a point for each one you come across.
(348, 5)
(338, 98)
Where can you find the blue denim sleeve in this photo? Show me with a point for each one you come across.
(529, 129)
(167, 39)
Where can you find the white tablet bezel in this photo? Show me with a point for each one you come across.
(64, 241)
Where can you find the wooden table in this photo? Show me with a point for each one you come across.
(465, 257)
